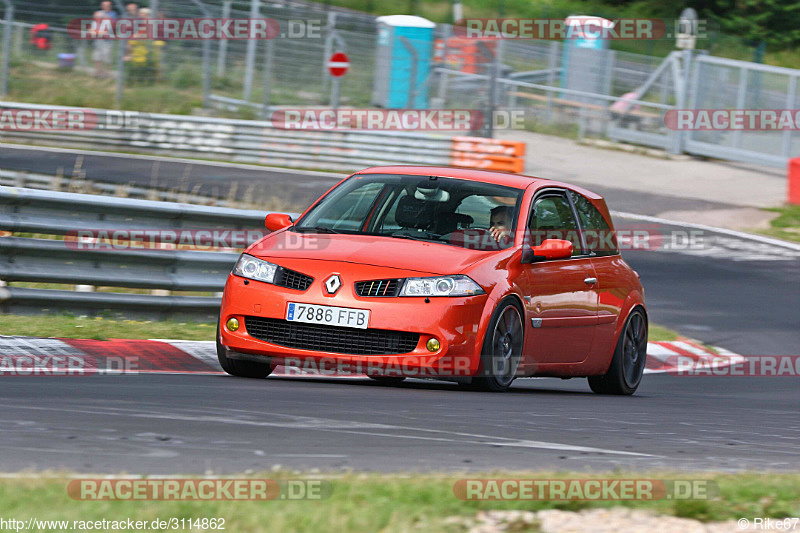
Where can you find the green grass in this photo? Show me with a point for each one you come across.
(656, 333)
(787, 225)
(100, 328)
(393, 502)
(73, 327)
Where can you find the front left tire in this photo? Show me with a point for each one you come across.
(239, 368)
(502, 348)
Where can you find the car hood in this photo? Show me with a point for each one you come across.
(420, 256)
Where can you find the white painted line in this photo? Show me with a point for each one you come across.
(725, 231)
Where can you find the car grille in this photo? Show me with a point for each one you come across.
(335, 339)
(379, 287)
(292, 280)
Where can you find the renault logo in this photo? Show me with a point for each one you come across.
(333, 284)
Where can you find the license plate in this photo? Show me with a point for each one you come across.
(328, 315)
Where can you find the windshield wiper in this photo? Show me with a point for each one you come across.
(314, 229)
(412, 237)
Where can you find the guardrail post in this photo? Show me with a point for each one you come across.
(7, 29)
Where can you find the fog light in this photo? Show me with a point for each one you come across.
(433, 345)
(232, 324)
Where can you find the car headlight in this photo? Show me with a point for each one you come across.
(257, 269)
(441, 286)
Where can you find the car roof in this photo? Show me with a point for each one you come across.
(508, 179)
(498, 178)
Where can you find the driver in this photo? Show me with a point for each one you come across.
(500, 224)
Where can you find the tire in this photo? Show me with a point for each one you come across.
(242, 369)
(627, 366)
(502, 348)
(388, 380)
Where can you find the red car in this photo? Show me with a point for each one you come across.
(465, 275)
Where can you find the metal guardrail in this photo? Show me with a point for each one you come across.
(247, 141)
(78, 183)
(42, 260)
(253, 141)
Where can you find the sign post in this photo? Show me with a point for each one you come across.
(337, 65)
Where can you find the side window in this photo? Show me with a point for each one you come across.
(599, 237)
(552, 218)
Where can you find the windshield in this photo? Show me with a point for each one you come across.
(447, 210)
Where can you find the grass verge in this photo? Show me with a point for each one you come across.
(786, 225)
(76, 327)
(101, 328)
(395, 502)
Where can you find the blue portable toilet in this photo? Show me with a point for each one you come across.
(585, 59)
(395, 64)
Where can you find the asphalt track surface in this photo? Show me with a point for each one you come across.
(193, 423)
(296, 187)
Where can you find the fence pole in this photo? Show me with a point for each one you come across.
(444, 76)
(330, 31)
(552, 65)
(206, 57)
(488, 126)
(250, 59)
(222, 55)
(9, 27)
(412, 79)
(786, 141)
(120, 59)
(266, 97)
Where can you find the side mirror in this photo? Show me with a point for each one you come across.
(276, 221)
(549, 249)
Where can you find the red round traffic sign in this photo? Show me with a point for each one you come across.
(338, 64)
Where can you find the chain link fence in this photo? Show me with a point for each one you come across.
(612, 94)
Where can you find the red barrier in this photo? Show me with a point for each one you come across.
(794, 181)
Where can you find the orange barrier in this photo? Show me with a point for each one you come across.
(488, 154)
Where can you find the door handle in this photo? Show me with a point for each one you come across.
(590, 281)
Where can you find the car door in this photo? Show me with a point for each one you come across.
(612, 286)
(561, 305)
